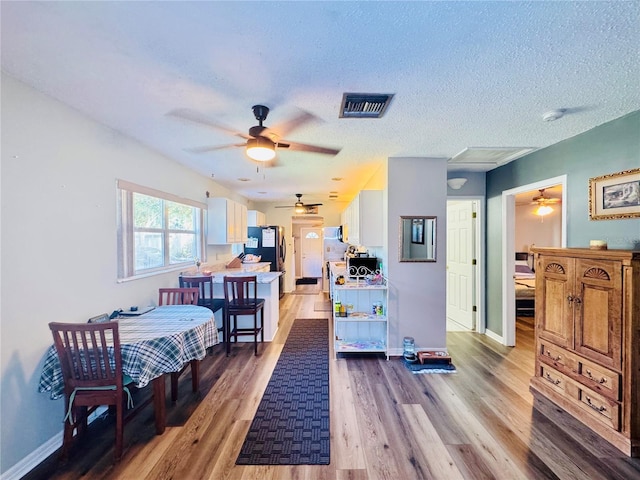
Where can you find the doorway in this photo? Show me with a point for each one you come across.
(311, 252)
(465, 264)
(297, 224)
(509, 246)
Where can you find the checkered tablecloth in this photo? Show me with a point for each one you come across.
(153, 344)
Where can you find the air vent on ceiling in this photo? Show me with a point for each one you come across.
(489, 156)
(364, 105)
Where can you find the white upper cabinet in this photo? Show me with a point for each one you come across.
(363, 219)
(256, 218)
(227, 221)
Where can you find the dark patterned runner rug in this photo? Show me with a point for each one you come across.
(291, 425)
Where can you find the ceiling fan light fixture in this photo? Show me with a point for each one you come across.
(299, 208)
(260, 149)
(543, 210)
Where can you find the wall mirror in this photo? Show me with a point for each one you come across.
(417, 239)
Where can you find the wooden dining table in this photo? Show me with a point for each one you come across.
(153, 344)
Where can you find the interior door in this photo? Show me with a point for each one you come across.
(311, 252)
(460, 249)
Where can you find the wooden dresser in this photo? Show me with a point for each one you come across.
(588, 339)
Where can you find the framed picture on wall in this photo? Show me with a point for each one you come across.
(417, 231)
(616, 195)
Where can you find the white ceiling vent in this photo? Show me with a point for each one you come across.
(364, 105)
(488, 157)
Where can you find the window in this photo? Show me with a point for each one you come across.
(157, 232)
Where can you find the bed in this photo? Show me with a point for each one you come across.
(525, 285)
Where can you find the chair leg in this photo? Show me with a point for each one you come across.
(119, 432)
(227, 332)
(255, 333)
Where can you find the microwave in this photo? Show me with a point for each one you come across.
(361, 266)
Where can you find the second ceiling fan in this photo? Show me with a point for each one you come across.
(261, 141)
(301, 207)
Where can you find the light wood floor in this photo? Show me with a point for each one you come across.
(386, 423)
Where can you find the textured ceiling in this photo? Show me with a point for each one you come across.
(464, 74)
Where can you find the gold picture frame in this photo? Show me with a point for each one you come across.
(614, 196)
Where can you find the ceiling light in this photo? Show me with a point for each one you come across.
(543, 210)
(261, 149)
(456, 183)
(553, 115)
(299, 207)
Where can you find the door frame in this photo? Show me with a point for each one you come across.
(479, 254)
(303, 251)
(509, 249)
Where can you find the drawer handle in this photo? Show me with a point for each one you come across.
(595, 407)
(550, 379)
(555, 359)
(601, 381)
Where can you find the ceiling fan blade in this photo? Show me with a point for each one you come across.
(196, 117)
(284, 206)
(284, 128)
(211, 148)
(312, 204)
(302, 147)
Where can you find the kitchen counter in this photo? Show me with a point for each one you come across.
(262, 277)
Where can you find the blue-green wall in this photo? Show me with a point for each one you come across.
(609, 148)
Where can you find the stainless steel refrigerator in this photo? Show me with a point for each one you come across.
(269, 243)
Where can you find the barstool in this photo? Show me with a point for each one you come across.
(241, 298)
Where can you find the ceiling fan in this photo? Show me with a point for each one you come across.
(543, 203)
(301, 207)
(261, 142)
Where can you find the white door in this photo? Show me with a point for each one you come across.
(460, 250)
(311, 252)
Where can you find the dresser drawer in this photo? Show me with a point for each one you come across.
(559, 357)
(605, 410)
(600, 379)
(553, 378)
(596, 377)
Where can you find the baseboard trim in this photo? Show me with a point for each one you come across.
(494, 336)
(41, 453)
(34, 459)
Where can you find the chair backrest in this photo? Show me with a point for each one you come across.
(204, 284)
(89, 354)
(177, 296)
(240, 290)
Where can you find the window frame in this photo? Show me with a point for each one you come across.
(126, 231)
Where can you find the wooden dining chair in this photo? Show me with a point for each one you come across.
(204, 284)
(91, 363)
(178, 296)
(241, 298)
(181, 296)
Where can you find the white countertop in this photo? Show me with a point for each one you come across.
(262, 277)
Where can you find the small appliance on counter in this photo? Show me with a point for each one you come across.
(361, 266)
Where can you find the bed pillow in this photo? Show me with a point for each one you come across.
(523, 269)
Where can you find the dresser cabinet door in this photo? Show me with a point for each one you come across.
(598, 311)
(554, 312)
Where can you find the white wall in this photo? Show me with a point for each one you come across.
(539, 231)
(417, 293)
(59, 172)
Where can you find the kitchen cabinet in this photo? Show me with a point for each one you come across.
(357, 326)
(256, 218)
(363, 219)
(227, 221)
(587, 336)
